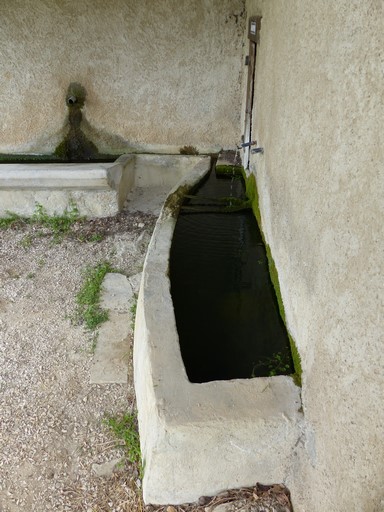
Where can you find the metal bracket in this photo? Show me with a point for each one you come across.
(247, 144)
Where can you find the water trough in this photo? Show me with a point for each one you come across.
(97, 189)
(201, 438)
(196, 438)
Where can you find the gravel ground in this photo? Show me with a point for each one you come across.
(53, 441)
(51, 424)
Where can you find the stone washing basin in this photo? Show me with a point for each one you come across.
(97, 189)
(199, 439)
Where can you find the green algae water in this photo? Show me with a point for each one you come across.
(225, 306)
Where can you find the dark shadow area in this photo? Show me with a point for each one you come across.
(225, 305)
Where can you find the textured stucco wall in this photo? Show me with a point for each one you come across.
(319, 110)
(165, 72)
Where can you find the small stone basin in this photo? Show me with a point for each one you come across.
(97, 189)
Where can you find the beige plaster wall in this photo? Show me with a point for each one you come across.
(319, 110)
(161, 72)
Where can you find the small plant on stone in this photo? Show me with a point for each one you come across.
(89, 311)
(125, 429)
(277, 364)
(188, 150)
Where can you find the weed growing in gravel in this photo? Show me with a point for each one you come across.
(133, 309)
(125, 428)
(26, 241)
(58, 224)
(96, 237)
(89, 311)
(11, 219)
(41, 262)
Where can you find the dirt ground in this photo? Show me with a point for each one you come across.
(54, 444)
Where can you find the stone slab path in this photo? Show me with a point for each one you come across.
(112, 355)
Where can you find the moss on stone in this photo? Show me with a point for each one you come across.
(189, 150)
(252, 194)
(24, 158)
(234, 170)
(60, 151)
(174, 201)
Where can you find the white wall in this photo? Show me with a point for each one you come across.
(164, 72)
(319, 110)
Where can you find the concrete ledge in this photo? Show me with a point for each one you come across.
(198, 439)
(99, 190)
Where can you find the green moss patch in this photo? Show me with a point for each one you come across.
(60, 156)
(188, 150)
(229, 170)
(252, 194)
(174, 201)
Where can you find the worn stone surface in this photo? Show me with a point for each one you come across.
(318, 113)
(106, 469)
(112, 353)
(116, 293)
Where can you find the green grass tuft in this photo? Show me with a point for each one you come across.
(125, 429)
(89, 311)
(58, 224)
(11, 219)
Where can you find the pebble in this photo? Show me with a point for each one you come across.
(223, 507)
(106, 468)
(203, 500)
